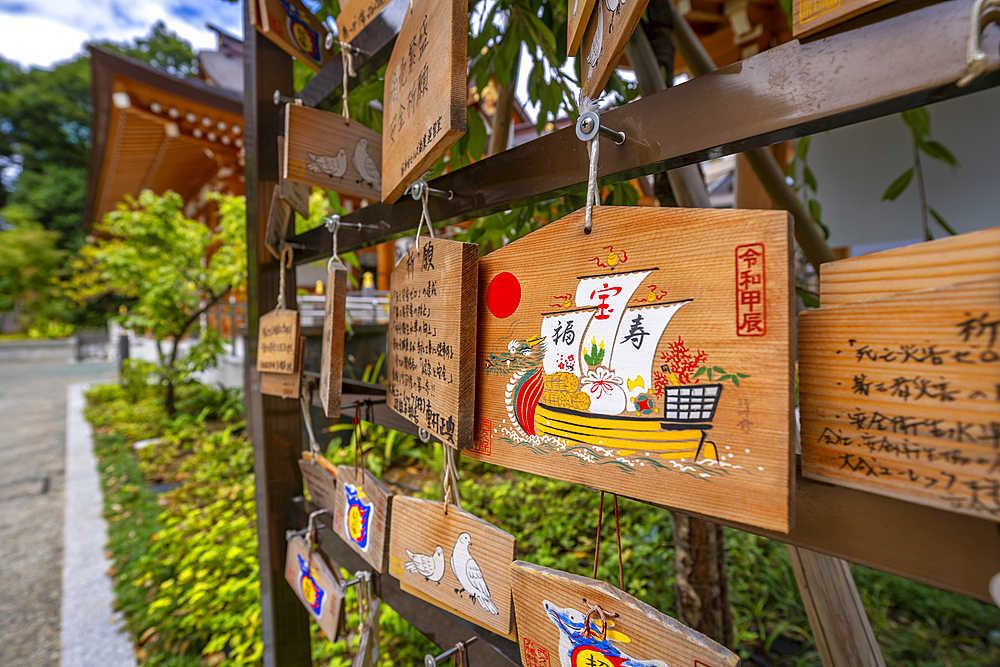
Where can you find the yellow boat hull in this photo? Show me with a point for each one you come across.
(625, 435)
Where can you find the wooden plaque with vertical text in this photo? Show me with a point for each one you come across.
(551, 611)
(277, 341)
(651, 358)
(431, 362)
(425, 92)
(285, 385)
(355, 15)
(455, 560)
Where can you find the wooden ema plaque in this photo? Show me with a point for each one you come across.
(285, 385)
(316, 584)
(432, 338)
(455, 561)
(946, 261)
(552, 609)
(290, 25)
(321, 484)
(580, 12)
(604, 41)
(331, 367)
(901, 396)
(425, 92)
(277, 339)
(355, 15)
(296, 194)
(279, 216)
(362, 514)
(811, 16)
(326, 151)
(651, 358)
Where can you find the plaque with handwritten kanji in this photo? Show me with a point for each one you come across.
(432, 338)
(425, 92)
(900, 396)
(651, 358)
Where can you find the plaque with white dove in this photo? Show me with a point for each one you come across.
(324, 150)
(572, 621)
(454, 560)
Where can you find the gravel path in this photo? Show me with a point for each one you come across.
(32, 475)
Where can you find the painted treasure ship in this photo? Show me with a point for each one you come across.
(588, 377)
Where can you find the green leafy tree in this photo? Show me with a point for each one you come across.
(30, 264)
(174, 270)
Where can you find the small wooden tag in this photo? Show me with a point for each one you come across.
(290, 25)
(279, 216)
(580, 12)
(425, 92)
(277, 338)
(296, 194)
(456, 561)
(552, 607)
(362, 515)
(285, 385)
(367, 654)
(326, 151)
(611, 26)
(356, 14)
(331, 367)
(432, 338)
(322, 485)
(318, 585)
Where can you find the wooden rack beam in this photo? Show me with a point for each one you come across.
(790, 91)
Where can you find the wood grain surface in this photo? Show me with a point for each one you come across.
(363, 515)
(277, 341)
(431, 361)
(551, 611)
(425, 92)
(290, 25)
(651, 358)
(321, 484)
(326, 151)
(811, 16)
(441, 557)
(331, 365)
(579, 13)
(611, 25)
(285, 385)
(900, 396)
(296, 194)
(279, 216)
(355, 15)
(946, 261)
(316, 584)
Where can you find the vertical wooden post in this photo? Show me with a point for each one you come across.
(843, 634)
(273, 423)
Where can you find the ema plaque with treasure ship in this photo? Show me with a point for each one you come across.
(650, 358)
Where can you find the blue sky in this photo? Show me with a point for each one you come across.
(43, 33)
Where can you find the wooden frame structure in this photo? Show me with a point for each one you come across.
(904, 56)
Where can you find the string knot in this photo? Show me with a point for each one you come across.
(596, 610)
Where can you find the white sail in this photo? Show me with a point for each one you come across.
(563, 333)
(636, 343)
(609, 294)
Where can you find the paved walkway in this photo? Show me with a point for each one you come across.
(32, 479)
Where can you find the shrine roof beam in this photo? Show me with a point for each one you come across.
(793, 90)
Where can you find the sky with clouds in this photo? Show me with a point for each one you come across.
(41, 34)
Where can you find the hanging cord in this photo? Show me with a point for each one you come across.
(312, 528)
(449, 478)
(348, 59)
(618, 534)
(283, 264)
(584, 105)
(425, 216)
(313, 445)
(596, 610)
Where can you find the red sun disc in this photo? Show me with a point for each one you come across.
(503, 295)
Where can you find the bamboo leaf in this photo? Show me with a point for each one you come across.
(736, 380)
(719, 370)
(938, 151)
(698, 372)
(897, 187)
(816, 212)
(802, 148)
(809, 299)
(810, 179)
(941, 221)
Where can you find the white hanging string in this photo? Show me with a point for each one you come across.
(424, 215)
(348, 59)
(449, 478)
(283, 265)
(584, 105)
(313, 445)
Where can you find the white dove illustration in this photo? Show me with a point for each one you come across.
(365, 165)
(596, 46)
(334, 167)
(469, 575)
(430, 567)
(615, 7)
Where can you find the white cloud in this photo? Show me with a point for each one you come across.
(38, 33)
